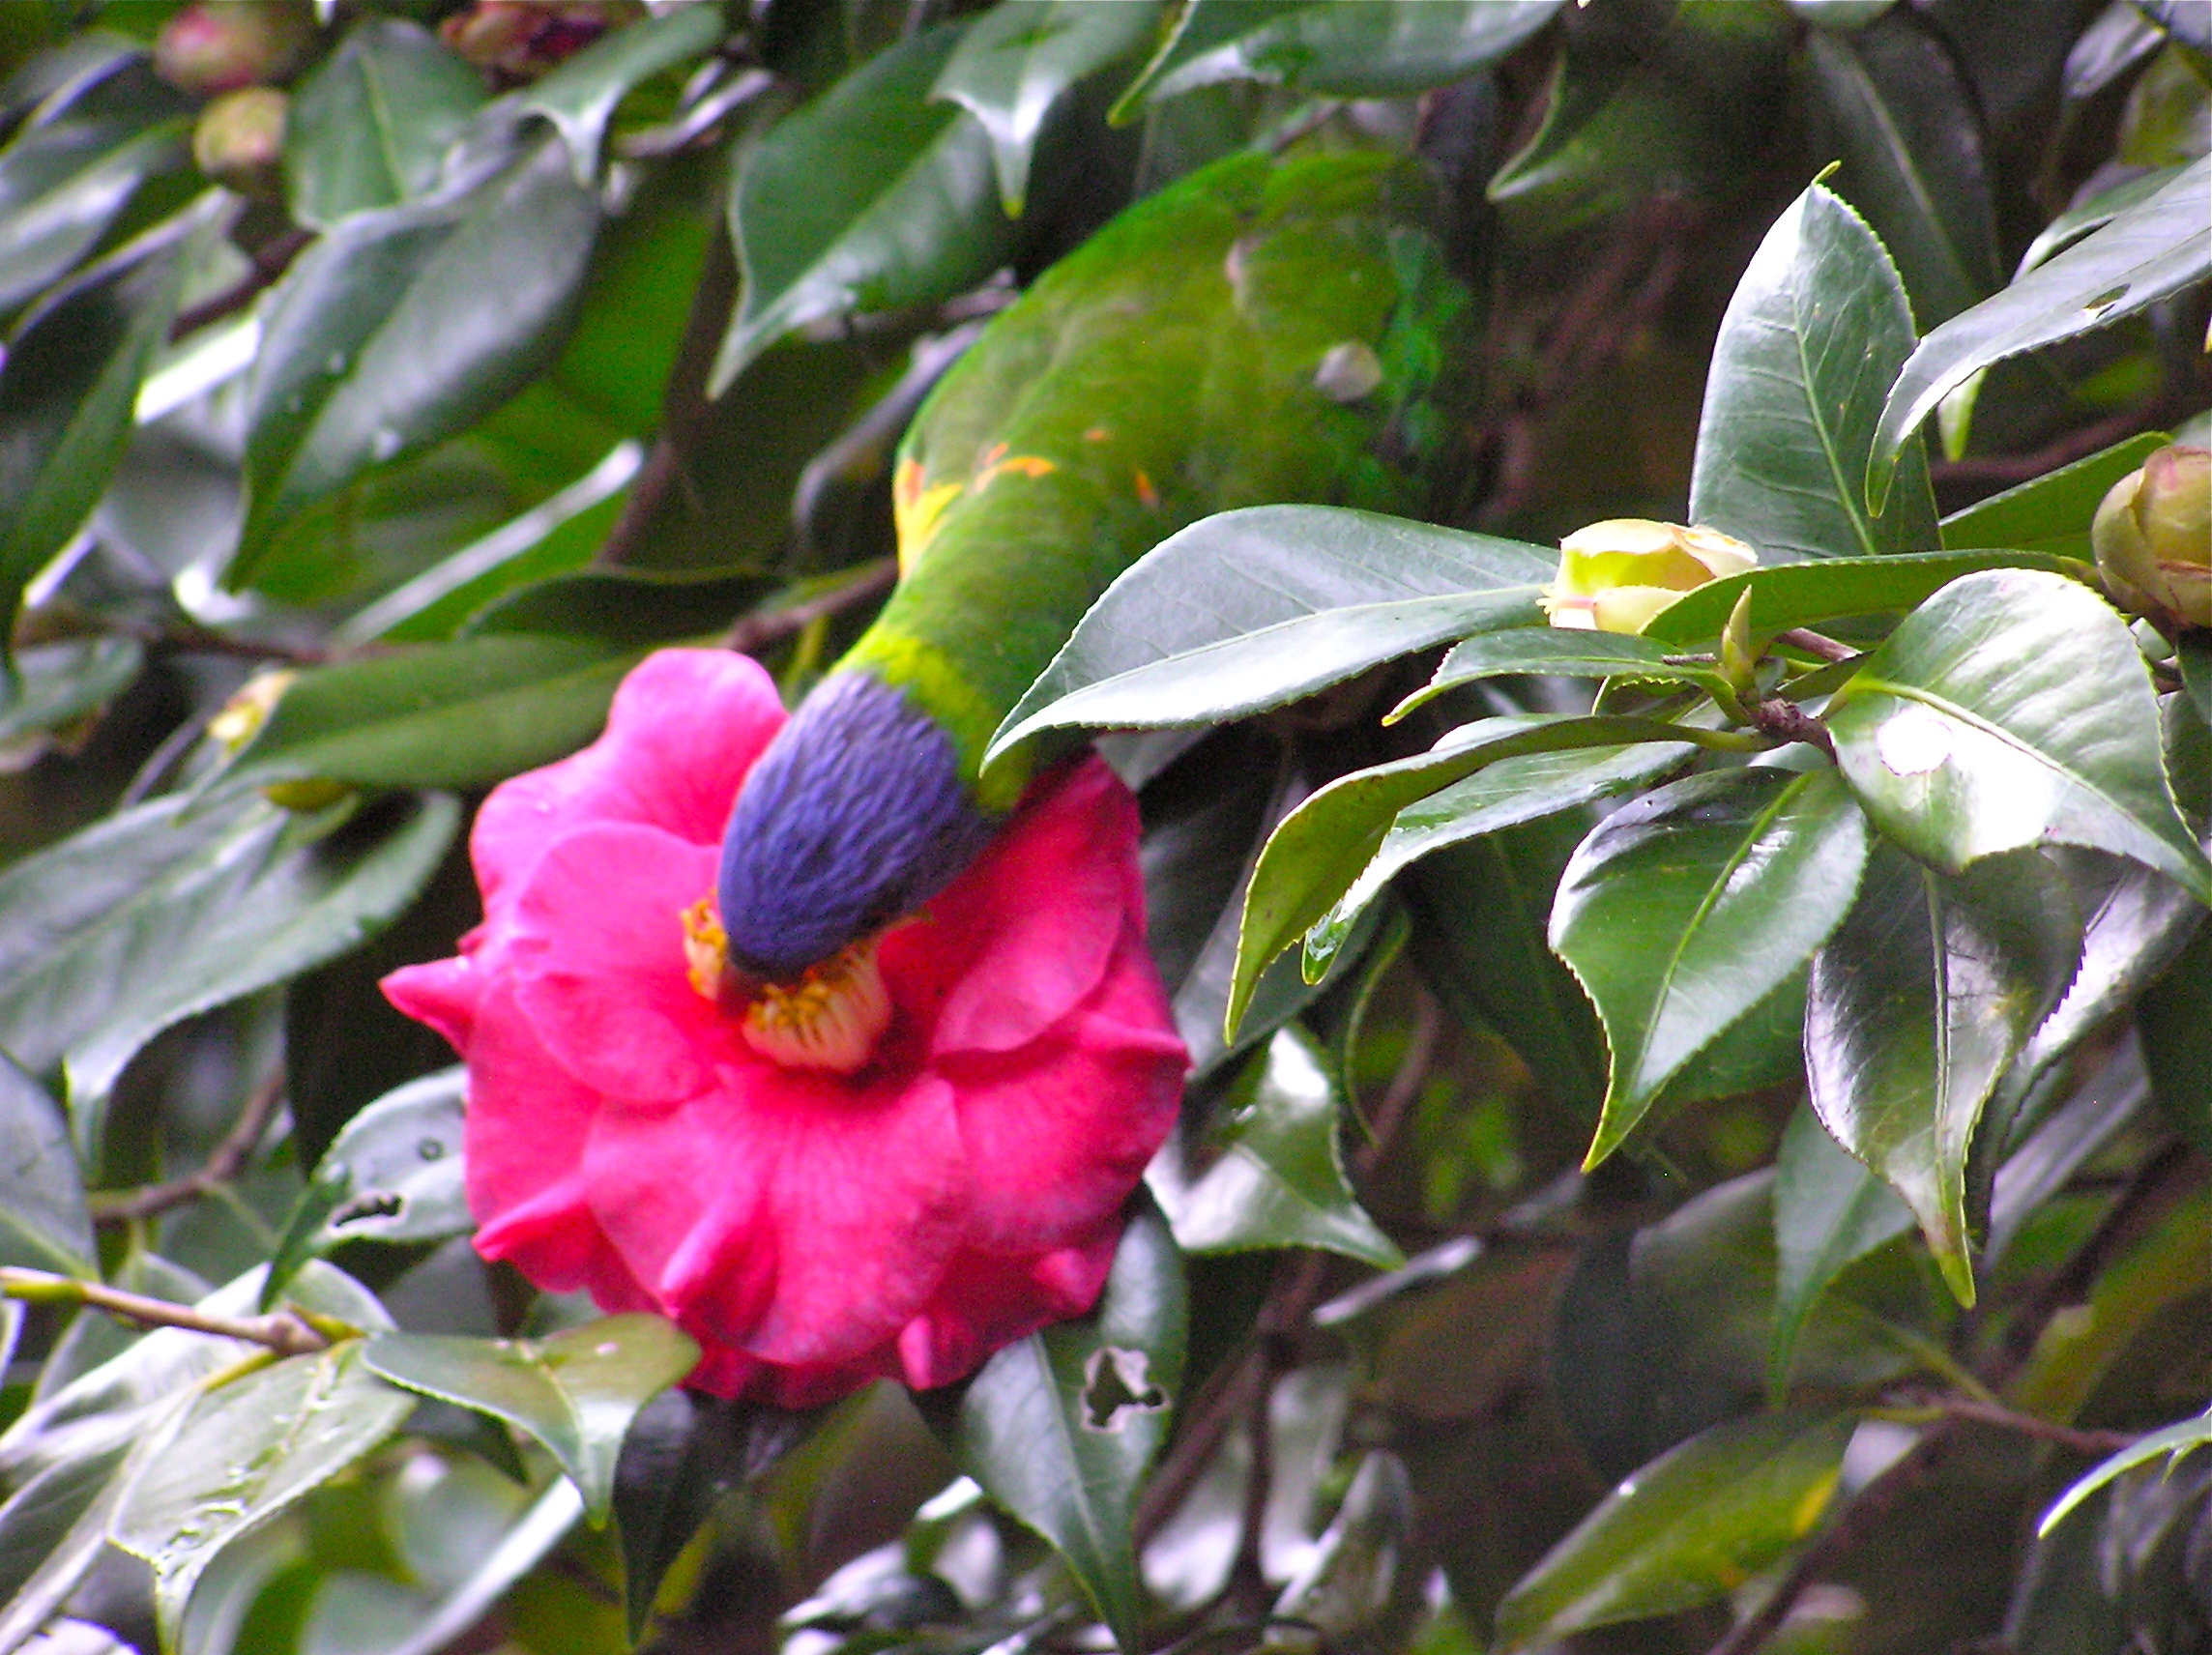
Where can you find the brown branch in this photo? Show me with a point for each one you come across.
(1405, 1083)
(111, 1208)
(283, 1332)
(270, 260)
(1977, 1411)
(2002, 471)
(757, 631)
(1791, 723)
(1817, 644)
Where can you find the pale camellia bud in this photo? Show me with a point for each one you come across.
(1615, 575)
(2153, 535)
(519, 40)
(219, 45)
(239, 140)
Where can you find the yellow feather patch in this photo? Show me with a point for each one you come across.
(918, 512)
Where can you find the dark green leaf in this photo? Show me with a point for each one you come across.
(1280, 1180)
(1019, 59)
(2147, 252)
(1507, 793)
(52, 1529)
(2193, 654)
(63, 682)
(1686, 909)
(2185, 1436)
(152, 916)
(2174, 1019)
(1318, 850)
(580, 96)
(1840, 14)
(1560, 650)
(2052, 513)
(242, 1452)
(372, 126)
(870, 198)
(624, 610)
(1764, 1047)
(1931, 986)
(2094, 213)
(1686, 1529)
(1060, 1428)
(1809, 593)
(1911, 143)
(1307, 594)
(392, 1174)
(460, 714)
(44, 1222)
(68, 382)
(1818, 327)
(1830, 1210)
(2012, 709)
(576, 1392)
(75, 165)
(403, 327)
(1351, 51)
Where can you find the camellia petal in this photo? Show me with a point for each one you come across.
(812, 1228)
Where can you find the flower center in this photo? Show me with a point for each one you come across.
(830, 1019)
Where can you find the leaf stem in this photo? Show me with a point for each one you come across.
(1817, 644)
(283, 1332)
(2094, 1443)
(757, 631)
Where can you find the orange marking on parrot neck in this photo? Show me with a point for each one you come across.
(1145, 492)
(917, 511)
(1026, 465)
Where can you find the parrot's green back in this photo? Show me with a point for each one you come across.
(1260, 332)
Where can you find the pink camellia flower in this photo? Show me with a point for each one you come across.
(939, 1174)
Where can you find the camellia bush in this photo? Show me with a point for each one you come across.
(1167, 826)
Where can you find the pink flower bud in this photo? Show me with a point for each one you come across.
(219, 45)
(239, 140)
(2153, 535)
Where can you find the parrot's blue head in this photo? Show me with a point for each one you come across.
(856, 815)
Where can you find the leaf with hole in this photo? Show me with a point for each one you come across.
(1688, 1528)
(1930, 988)
(2146, 253)
(2012, 709)
(403, 327)
(1684, 910)
(1817, 328)
(576, 1392)
(372, 126)
(869, 198)
(1060, 1427)
(1280, 1179)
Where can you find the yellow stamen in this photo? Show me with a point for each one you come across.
(706, 948)
(830, 1019)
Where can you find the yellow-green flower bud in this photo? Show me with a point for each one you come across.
(218, 45)
(239, 140)
(241, 720)
(2153, 535)
(1615, 575)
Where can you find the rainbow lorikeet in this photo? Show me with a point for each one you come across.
(1259, 331)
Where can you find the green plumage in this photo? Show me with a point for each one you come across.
(1260, 332)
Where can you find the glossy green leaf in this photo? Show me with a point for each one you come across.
(624, 610)
(1809, 594)
(869, 198)
(404, 327)
(1911, 145)
(1829, 1210)
(372, 126)
(2174, 1020)
(1819, 326)
(1687, 908)
(2012, 709)
(579, 97)
(1318, 850)
(68, 381)
(576, 1392)
(2184, 1437)
(460, 714)
(1690, 1528)
(1351, 52)
(1020, 58)
(53, 1529)
(2144, 255)
(67, 174)
(43, 1220)
(2094, 213)
(1560, 650)
(152, 916)
(59, 682)
(2194, 656)
(243, 1452)
(1931, 987)
(392, 1174)
(2052, 513)
(1060, 1427)
(1507, 793)
(1254, 608)
(1280, 1179)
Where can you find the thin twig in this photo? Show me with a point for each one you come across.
(1817, 644)
(128, 1206)
(1996, 1414)
(1413, 1073)
(755, 632)
(1208, 1422)
(283, 1331)
(2005, 470)
(270, 260)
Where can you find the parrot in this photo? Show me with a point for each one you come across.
(1260, 331)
